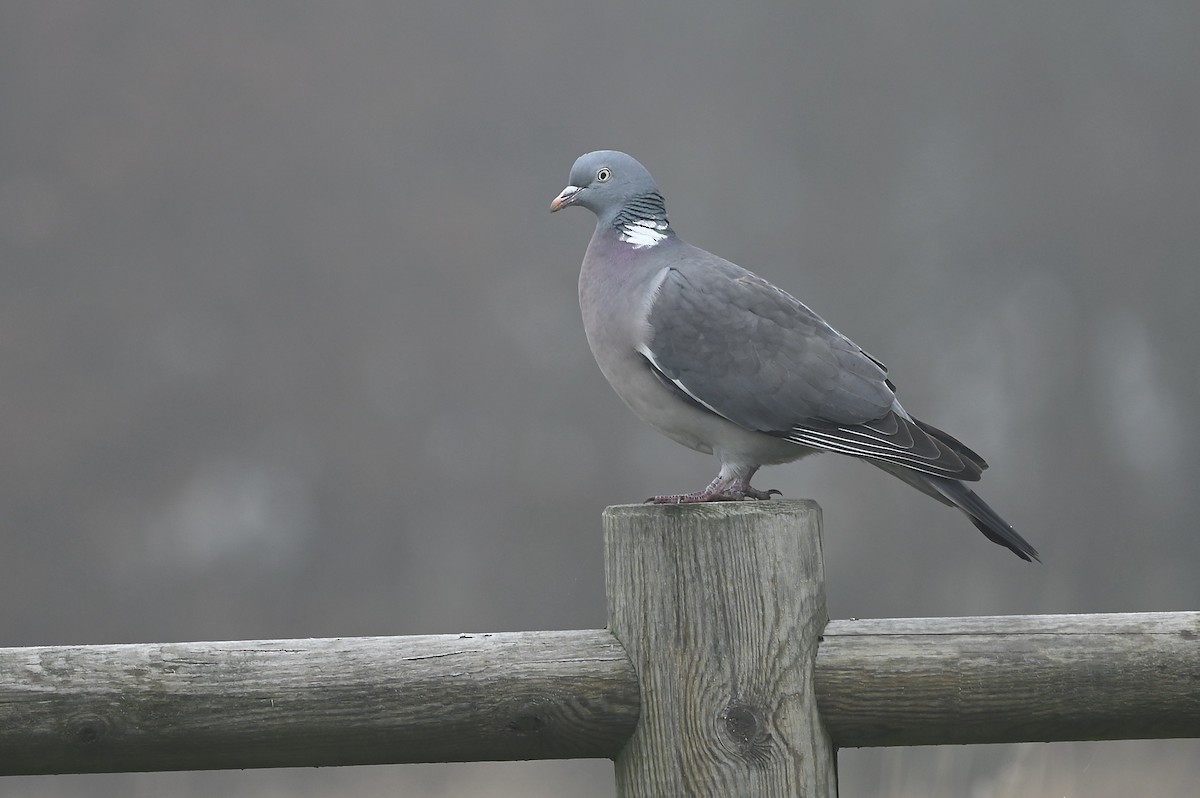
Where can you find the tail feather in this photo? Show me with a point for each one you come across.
(956, 494)
(985, 519)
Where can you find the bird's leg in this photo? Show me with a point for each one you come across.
(731, 485)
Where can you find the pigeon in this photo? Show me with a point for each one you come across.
(720, 360)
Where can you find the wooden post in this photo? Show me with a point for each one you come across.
(720, 607)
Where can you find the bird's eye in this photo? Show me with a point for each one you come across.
(603, 175)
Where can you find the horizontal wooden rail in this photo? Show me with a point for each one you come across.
(1008, 679)
(546, 695)
(292, 703)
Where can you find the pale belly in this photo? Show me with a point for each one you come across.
(690, 425)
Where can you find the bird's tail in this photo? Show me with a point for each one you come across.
(956, 494)
(985, 519)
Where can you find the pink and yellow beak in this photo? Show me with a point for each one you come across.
(565, 198)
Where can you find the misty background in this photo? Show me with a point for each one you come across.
(290, 344)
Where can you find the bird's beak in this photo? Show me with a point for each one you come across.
(564, 199)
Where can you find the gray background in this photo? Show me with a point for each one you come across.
(289, 342)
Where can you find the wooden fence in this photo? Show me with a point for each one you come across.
(719, 675)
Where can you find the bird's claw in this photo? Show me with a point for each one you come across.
(728, 493)
(762, 495)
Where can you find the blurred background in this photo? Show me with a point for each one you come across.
(290, 346)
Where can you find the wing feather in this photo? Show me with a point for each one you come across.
(758, 357)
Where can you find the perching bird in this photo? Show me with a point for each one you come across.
(723, 362)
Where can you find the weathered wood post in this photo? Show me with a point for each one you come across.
(720, 607)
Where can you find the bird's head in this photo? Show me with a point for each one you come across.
(603, 182)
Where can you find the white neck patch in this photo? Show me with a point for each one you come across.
(642, 233)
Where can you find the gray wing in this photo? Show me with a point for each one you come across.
(758, 357)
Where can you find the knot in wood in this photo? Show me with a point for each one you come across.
(87, 729)
(527, 719)
(745, 726)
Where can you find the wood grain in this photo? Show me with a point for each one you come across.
(1023, 678)
(720, 607)
(338, 701)
(721, 610)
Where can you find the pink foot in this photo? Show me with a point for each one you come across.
(716, 492)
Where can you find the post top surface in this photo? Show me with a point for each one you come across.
(743, 509)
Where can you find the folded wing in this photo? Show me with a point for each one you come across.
(755, 355)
